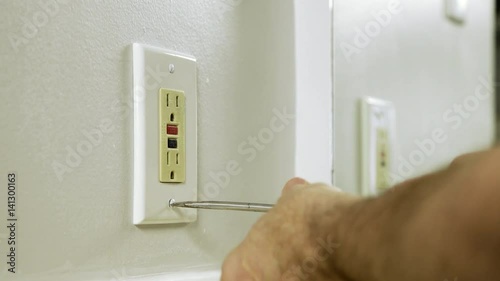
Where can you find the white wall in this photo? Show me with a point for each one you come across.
(313, 34)
(425, 64)
(72, 72)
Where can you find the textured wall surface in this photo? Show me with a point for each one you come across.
(426, 65)
(66, 71)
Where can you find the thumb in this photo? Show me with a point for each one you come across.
(293, 184)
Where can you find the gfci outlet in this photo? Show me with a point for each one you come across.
(172, 136)
(165, 135)
(378, 145)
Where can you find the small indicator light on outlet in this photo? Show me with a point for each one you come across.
(172, 130)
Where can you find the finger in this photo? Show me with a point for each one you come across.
(293, 183)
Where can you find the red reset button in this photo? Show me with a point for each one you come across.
(172, 130)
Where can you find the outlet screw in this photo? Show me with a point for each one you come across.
(171, 68)
(170, 202)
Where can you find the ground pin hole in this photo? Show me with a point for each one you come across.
(172, 175)
(172, 117)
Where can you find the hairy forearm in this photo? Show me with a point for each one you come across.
(441, 226)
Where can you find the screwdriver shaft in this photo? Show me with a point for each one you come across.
(223, 205)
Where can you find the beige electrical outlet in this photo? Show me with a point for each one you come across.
(172, 121)
(378, 141)
(382, 160)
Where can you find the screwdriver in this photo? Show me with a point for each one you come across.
(222, 205)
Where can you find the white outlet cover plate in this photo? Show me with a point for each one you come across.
(155, 68)
(375, 114)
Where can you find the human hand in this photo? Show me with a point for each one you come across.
(293, 241)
